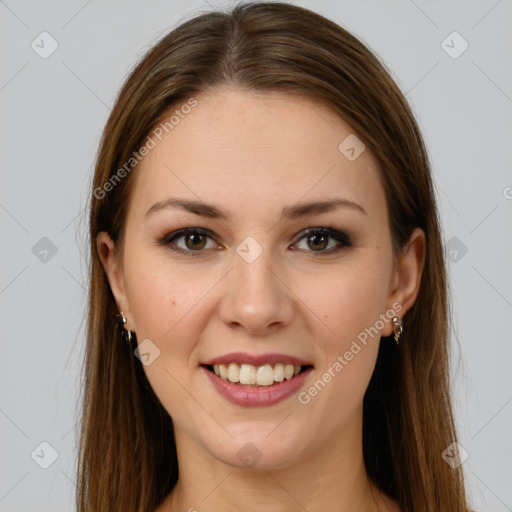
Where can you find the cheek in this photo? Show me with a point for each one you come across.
(347, 301)
(165, 302)
(170, 304)
(152, 301)
(160, 295)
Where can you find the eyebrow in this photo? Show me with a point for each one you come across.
(291, 212)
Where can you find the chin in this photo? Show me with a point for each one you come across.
(257, 447)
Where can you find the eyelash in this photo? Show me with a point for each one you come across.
(339, 236)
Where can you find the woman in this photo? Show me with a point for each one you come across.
(268, 309)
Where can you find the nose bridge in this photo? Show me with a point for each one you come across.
(254, 268)
(256, 297)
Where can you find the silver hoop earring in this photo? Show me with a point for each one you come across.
(126, 334)
(398, 328)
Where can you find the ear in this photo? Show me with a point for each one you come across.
(405, 282)
(113, 270)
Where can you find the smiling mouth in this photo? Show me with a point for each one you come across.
(257, 376)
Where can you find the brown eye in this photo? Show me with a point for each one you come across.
(195, 241)
(189, 241)
(318, 241)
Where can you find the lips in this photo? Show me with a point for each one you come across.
(257, 380)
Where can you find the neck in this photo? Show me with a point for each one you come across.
(330, 477)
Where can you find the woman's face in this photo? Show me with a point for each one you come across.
(254, 282)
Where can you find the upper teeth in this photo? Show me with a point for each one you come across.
(262, 375)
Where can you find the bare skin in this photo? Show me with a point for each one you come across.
(252, 155)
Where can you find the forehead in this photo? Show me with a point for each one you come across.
(253, 151)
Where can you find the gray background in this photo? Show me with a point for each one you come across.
(53, 112)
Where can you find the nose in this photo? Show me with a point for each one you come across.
(256, 297)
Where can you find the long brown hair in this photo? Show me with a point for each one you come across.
(127, 455)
